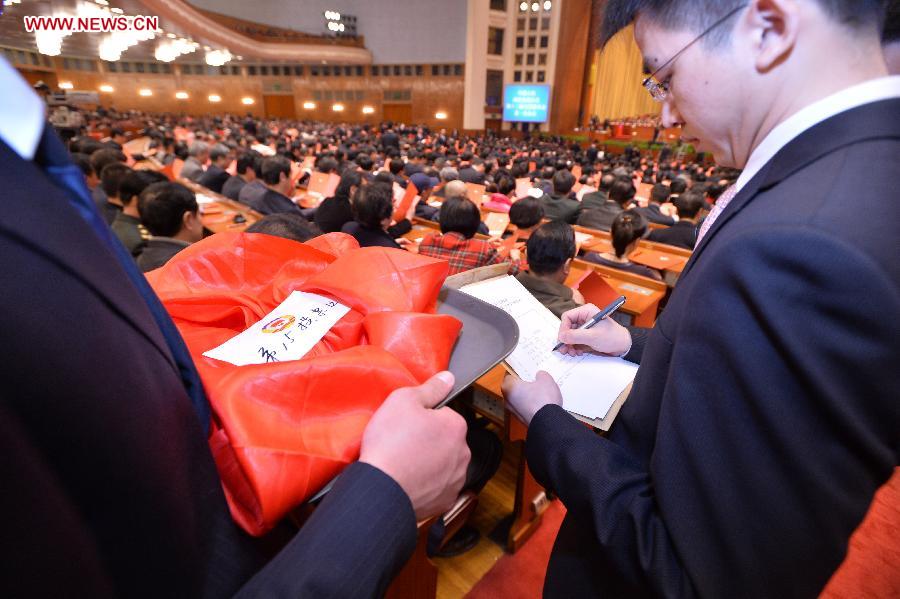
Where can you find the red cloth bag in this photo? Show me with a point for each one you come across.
(282, 430)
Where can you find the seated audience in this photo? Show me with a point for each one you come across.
(83, 161)
(99, 159)
(372, 209)
(110, 178)
(447, 174)
(127, 225)
(502, 199)
(193, 166)
(276, 176)
(334, 212)
(684, 232)
(289, 226)
(558, 205)
(621, 195)
(170, 213)
(460, 219)
(654, 212)
(598, 199)
(215, 176)
(245, 170)
(255, 189)
(551, 249)
(628, 228)
(526, 215)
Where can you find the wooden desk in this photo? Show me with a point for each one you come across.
(675, 257)
(642, 295)
(527, 514)
(219, 215)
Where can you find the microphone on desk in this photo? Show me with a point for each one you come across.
(607, 311)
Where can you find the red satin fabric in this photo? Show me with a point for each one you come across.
(282, 430)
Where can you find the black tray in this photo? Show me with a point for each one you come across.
(488, 335)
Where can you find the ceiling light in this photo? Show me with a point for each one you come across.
(102, 2)
(118, 11)
(66, 85)
(49, 42)
(107, 89)
(217, 58)
(247, 101)
(523, 6)
(309, 105)
(171, 36)
(215, 98)
(440, 115)
(367, 110)
(145, 92)
(337, 107)
(547, 4)
(181, 95)
(535, 6)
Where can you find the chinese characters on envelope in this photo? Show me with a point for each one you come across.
(286, 333)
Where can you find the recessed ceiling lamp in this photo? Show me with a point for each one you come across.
(309, 105)
(247, 101)
(181, 95)
(145, 92)
(215, 98)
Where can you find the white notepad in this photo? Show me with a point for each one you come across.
(589, 383)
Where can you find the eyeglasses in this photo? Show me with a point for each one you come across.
(660, 90)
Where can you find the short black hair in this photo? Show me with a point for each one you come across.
(506, 184)
(622, 191)
(659, 194)
(364, 161)
(563, 181)
(249, 159)
(460, 215)
(627, 227)
(396, 166)
(526, 213)
(111, 177)
(350, 178)
(272, 167)
(372, 204)
(698, 15)
(134, 182)
(689, 204)
(288, 226)
(219, 151)
(678, 185)
(101, 158)
(891, 31)
(550, 246)
(162, 207)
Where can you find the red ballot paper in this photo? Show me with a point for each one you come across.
(576, 170)
(532, 166)
(330, 187)
(595, 289)
(405, 203)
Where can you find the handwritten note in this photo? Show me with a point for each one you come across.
(286, 333)
(589, 383)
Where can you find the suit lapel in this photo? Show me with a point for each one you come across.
(867, 122)
(39, 213)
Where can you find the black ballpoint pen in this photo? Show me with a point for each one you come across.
(615, 305)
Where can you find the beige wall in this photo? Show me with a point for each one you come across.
(428, 94)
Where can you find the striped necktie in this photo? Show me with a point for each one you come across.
(720, 206)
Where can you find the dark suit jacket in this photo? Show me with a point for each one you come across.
(110, 488)
(764, 415)
(232, 188)
(600, 218)
(368, 237)
(682, 234)
(214, 178)
(333, 213)
(557, 207)
(595, 199)
(470, 175)
(653, 214)
(272, 202)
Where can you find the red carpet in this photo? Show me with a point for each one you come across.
(521, 574)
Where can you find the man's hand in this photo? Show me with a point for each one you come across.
(525, 399)
(606, 337)
(422, 449)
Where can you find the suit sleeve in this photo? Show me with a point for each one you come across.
(777, 424)
(638, 340)
(353, 545)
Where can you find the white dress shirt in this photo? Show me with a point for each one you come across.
(883, 88)
(22, 113)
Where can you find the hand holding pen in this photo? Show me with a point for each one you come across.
(588, 328)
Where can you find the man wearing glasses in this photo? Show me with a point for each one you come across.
(765, 414)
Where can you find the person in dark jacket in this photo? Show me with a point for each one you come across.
(683, 233)
(170, 213)
(215, 176)
(335, 212)
(621, 195)
(628, 228)
(372, 209)
(245, 173)
(551, 249)
(559, 205)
